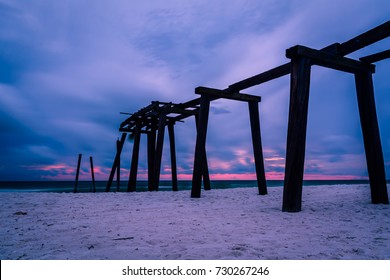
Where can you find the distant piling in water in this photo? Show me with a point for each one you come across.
(93, 176)
(77, 174)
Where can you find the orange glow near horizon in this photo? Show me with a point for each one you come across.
(65, 172)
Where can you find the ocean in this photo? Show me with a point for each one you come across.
(86, 186)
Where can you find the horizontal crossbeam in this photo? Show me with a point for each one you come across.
(227, 94)
(375, 57)
(329, 60)
(370, 37)
(261, 78)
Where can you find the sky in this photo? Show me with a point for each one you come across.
(68, 68)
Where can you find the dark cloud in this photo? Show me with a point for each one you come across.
(68, 68)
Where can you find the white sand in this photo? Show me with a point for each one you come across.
(336, 222)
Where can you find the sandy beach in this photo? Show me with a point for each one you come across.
(336, 222)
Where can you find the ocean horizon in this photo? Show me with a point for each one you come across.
(86, 186)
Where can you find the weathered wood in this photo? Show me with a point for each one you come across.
(296, 134)
(116, 162)
(257, 146)
(266, 76)
(375, 57)
(372, 36)
(93, 175)
(200, 146)
(329, 60)
(131, 186)
(77, 173)
(205, 166)
(118, 167)
(227, 94)
(171, 133)
(371, 137)
(159, 150)
(151, 154)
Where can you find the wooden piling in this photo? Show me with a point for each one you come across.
(118, 167)
(116, 162)
(296, 134)
(151, 138)
(77, 174)
(371, 137)
(257, 146)
(131, 186)
(205, 166)
(159, 150)
(93, 175)
(200, 146)
(171, 133)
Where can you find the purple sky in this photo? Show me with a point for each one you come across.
(67, 68)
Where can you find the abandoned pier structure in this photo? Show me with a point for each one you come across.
(153, 119)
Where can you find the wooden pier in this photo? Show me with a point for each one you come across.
(153, 119)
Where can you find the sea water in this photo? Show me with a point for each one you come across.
(86, 186)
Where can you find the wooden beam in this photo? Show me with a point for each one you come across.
(273, 73)
(266, 76)
(370, 37)
(184, 112)
(131, 186)
(151, 138)
(116, 162)
(159, 150)
(77, 174)
(200, 146)
(227, 95)
(118, 167)
(371, 137)
(171, 133)
(376, 57)
(205, 166)
(296, 134)
(257, 146)
(93, 175)
(329, 60)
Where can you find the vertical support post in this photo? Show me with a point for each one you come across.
(173, 155)
(77, 174)
(371, 136)
(116, 162)
(200, 146)
(257, 146)
(93, 175)
(296, 134)
(118, 167)
(131, 186)
(159, 150)
(151, 154)
(205, 166)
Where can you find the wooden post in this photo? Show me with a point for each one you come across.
(159, 150)
(151, 154)
(93, 175)
(118, 167)
(257, 146)
(205, 166)
(296, 134)
(371, 137)
(200, 146)
(116, 162)
(173, 155)
(77, 174)
(131, 186)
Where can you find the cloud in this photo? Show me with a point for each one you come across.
(68, 68)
